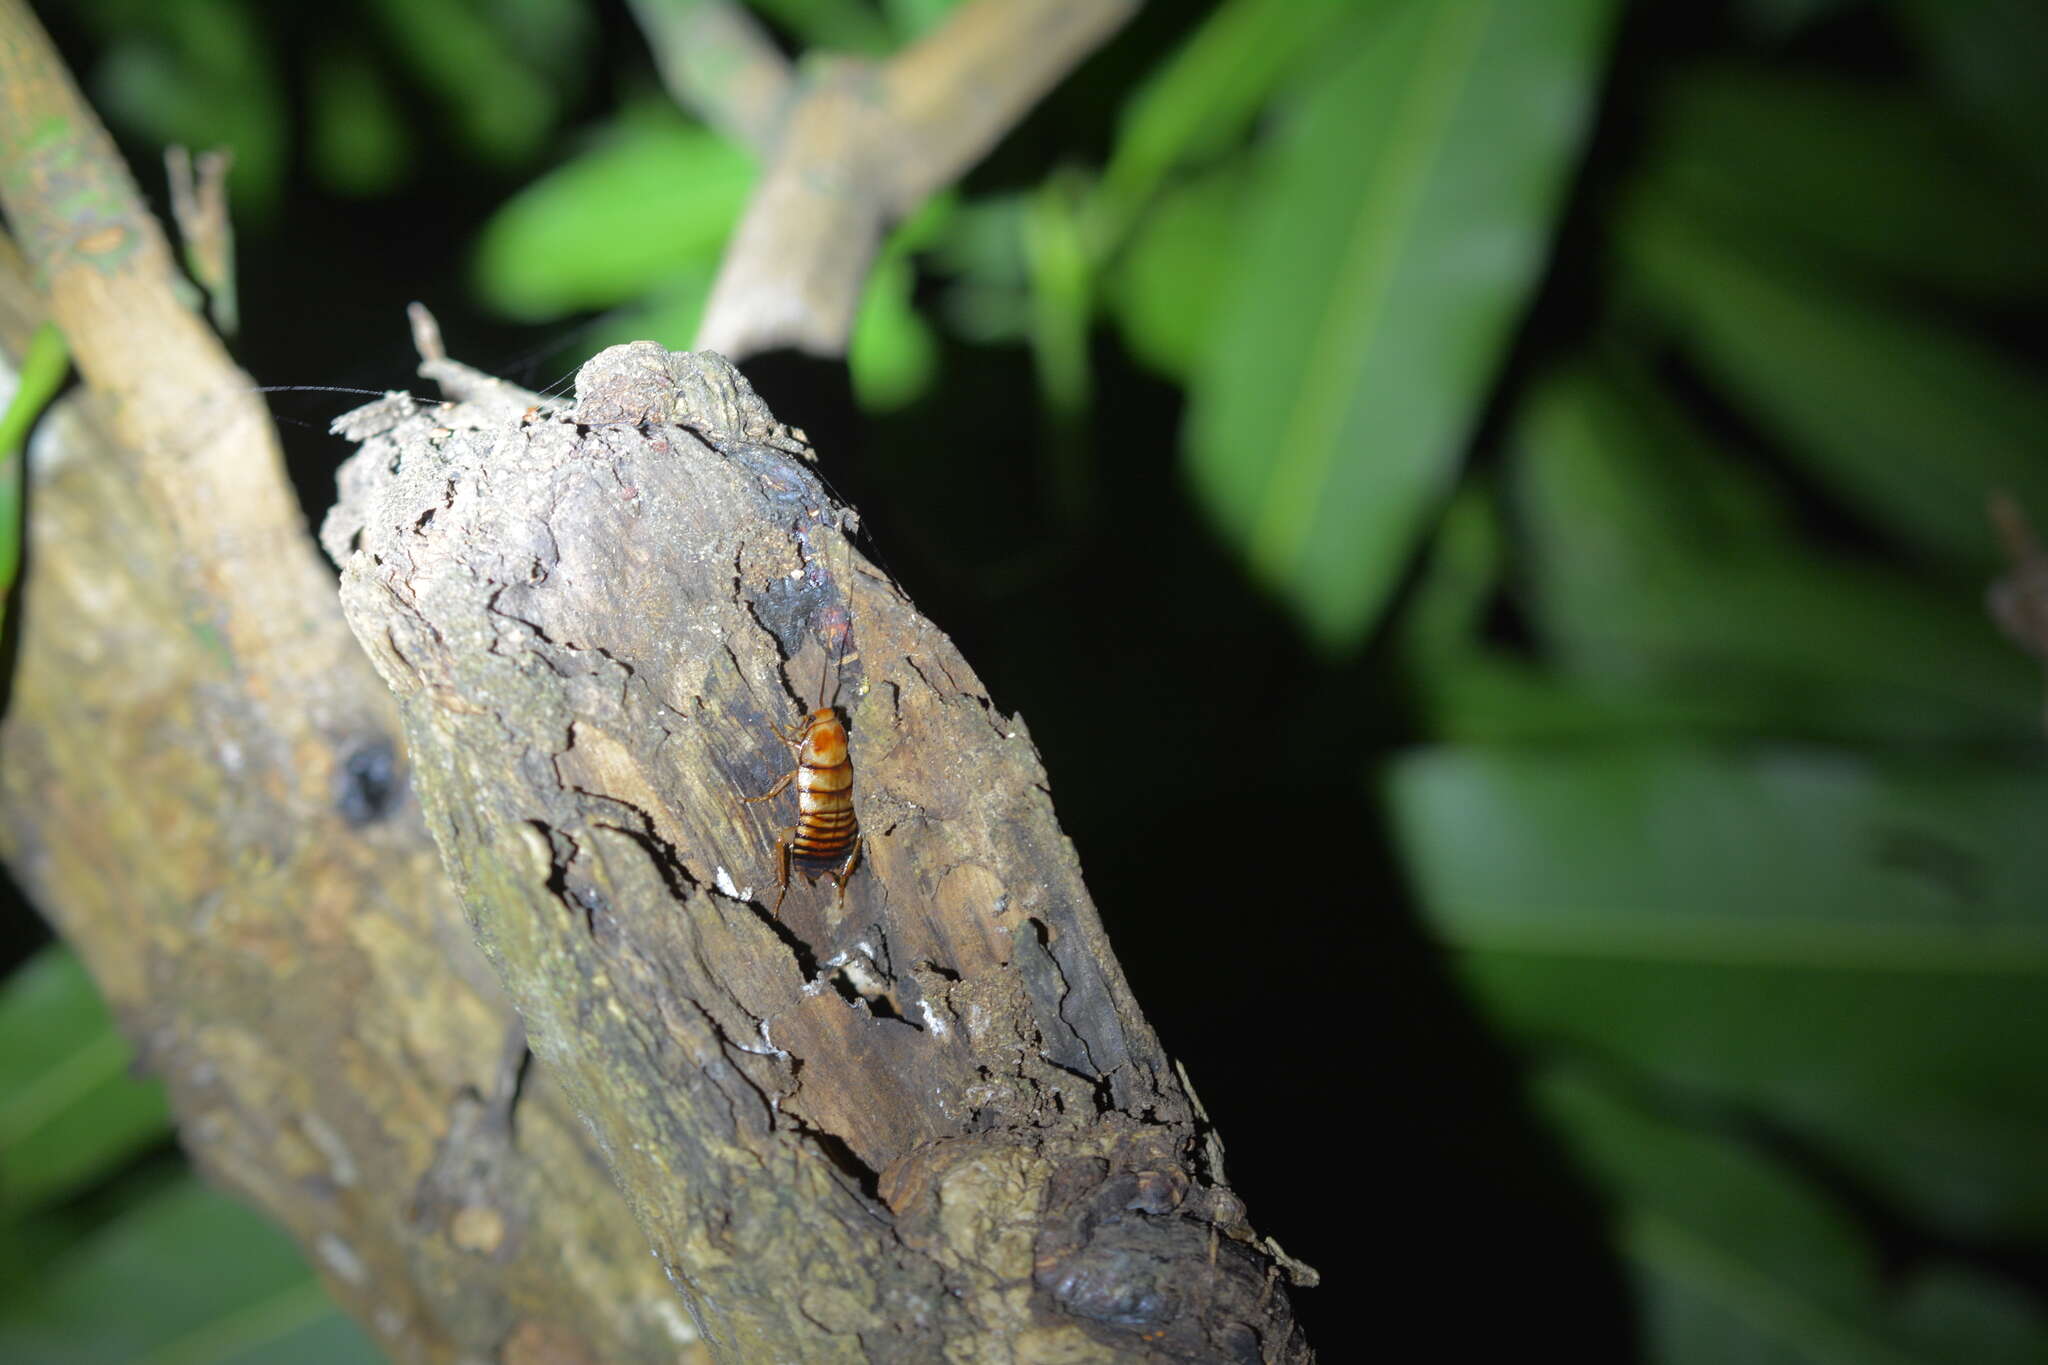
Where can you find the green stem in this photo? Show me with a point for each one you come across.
(42, 374)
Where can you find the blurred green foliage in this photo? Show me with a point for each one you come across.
(107, 1250)
(1637, 411)
(551, 250)
(68, 1109)
(197, 72)
(1386, 254)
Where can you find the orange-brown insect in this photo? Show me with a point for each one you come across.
(826, 831)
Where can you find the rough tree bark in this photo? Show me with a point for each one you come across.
(952, 1134)
(927, 1123)
(197, 786)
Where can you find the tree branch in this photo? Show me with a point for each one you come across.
(924, 1122)
(716, 62)
(862, 144)
(200, 786)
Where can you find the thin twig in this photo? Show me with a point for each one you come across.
(426, 333)
(199, 204)
(955, 94)
(718, 63)
(464, 383)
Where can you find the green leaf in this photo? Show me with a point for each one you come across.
(1460, 576)
(892, 354)
(1470, 688)
(1734, 1258)
(913, 19)
(1737, 1258)
(850, 26)
(199, 73)
(1794, 856)
(1167, 289)
(358, 143)
(1968, 1315)
(1387, 259)
(669, 313)
(1987, 56)
(1856, 948)
(499, 71)
(1658, 569)
(1062, 295)
(69, 1111)
(553, 35)
(562, 243)
(1861, 175)
(1908, 422)
(187, 1278)
(1197, 104)
(982, 249)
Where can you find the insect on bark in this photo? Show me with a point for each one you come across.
(826, 836)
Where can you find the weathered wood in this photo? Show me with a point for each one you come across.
(931, 1125)
(295, 971)
(199, 784)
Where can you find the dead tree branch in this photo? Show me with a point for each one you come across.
(927, 1123)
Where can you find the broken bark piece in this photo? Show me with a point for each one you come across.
(929, 1123)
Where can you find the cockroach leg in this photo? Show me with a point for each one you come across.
(845, 871)
(782, 868)
(781, 785)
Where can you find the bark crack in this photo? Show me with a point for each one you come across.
(949, 1041)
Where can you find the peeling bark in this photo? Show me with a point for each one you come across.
(929, 1123)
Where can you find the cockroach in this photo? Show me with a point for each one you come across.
(826, 832)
